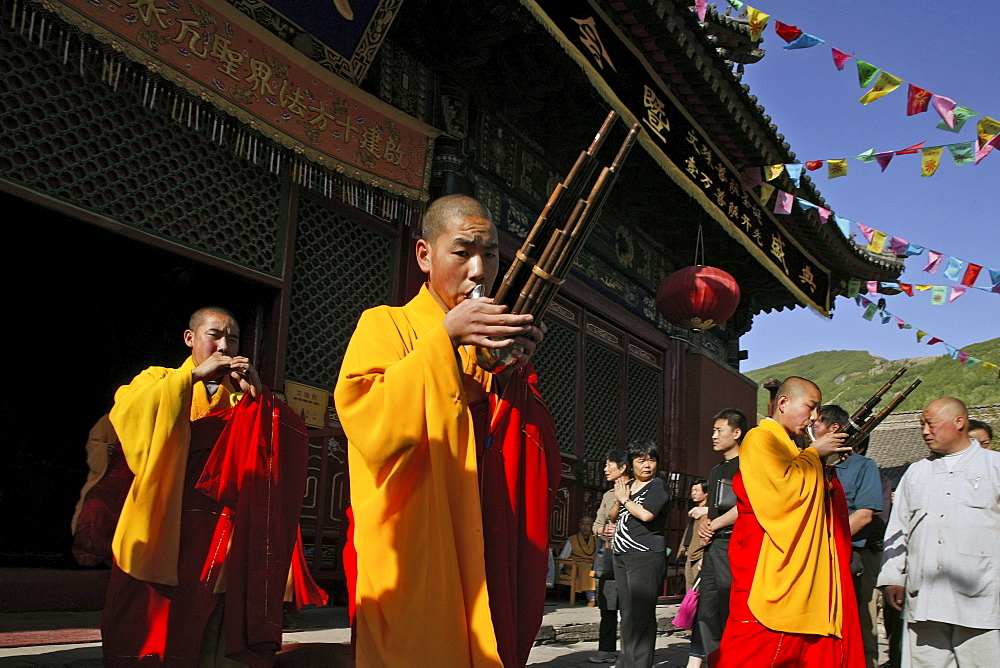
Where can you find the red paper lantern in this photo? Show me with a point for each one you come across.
(698, 297)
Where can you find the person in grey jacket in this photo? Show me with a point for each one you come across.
(941, 562)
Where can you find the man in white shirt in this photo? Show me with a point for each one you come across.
(942, 546)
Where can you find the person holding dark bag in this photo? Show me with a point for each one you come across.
(615, 467)
(640, 557)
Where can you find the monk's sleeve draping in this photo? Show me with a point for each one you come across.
(151, 416)
(389, 384)
(795, 587)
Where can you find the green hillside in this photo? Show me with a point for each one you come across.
(850, 377)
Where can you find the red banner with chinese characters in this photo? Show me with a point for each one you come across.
(221, 56)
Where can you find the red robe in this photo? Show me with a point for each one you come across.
(746, 642)
(241, 500)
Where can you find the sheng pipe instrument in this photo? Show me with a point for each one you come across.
(862, 422)
(562, 228)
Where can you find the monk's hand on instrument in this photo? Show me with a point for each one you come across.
(245, 376)
(482, 323)
(894, 594)
(829, 443)
(215, 366)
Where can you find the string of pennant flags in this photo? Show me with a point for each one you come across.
(873, 308)
(918, 100)
(962, 153)
(956, 269)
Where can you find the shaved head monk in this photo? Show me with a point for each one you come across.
(451, 467)
(792, 598)
(198, 576)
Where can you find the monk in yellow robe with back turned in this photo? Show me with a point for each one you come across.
(451, 468)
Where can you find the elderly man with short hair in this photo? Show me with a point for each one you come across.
(942, 546)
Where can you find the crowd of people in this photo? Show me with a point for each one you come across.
(791, 551)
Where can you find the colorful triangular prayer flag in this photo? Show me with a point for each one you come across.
(933, 260)
(995, 277)
(962, 153)
(872, 287)
(884, 158)
(963, 356)
(971, 274)
(917, 100)
(934, 340)
(869, 312)
(985, 150)
(899, 322)
(986, 129)
(952, 352)
(907, 288)
(824, 215)
(844, 225)
(813, 165)
(866, 73)
(804, 41)
(956, 292)
(930, 160)
(867, 231)
(806, 204)
(920, 335)
(954, 267)
(783, 202)
(945, 106)
(701, 7)
(840, 59)
(885, 84)
(765, 192)
(923, 288)
(758, 21)
(771, 172)
(911, 149)
(795, 170)
(886, 317)
(836, 168)
(867, 156)
(959, 115)
(877, 242)
(898, 246)
(914, 249)
(786, 32)
(751, 177)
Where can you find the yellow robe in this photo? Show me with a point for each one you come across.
(402, 400)
(796, 586)
(152, 416)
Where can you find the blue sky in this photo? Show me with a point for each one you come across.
(946, 48)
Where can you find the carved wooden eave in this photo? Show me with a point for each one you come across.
(694, 60)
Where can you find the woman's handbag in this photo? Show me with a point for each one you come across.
(689, 606)
(603, 568)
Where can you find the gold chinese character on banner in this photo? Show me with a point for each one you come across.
(655, 118)
(778, 250)
(591, 40)
(148, 12)
(228, 59)
(191, 31)
(806, 278)
(260, 75)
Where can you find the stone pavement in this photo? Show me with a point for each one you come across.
(566, 638)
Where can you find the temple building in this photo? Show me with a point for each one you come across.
(275, 157)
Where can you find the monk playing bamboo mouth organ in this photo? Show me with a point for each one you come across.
(792, 598)
(210, 524)
(451, 468)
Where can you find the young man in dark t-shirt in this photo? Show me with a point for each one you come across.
(713, 604)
